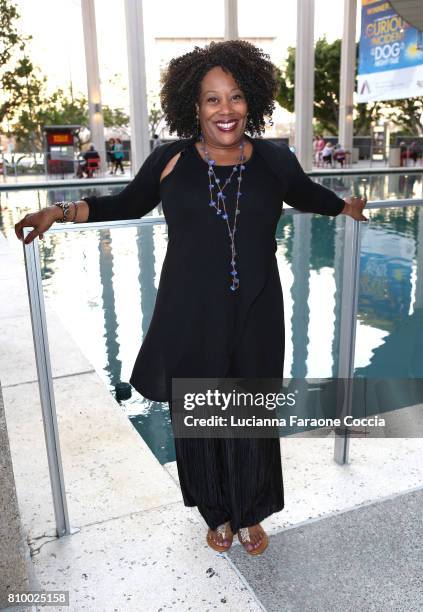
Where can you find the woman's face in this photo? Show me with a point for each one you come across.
(222, 108)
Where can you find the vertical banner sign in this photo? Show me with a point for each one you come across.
(391, 55)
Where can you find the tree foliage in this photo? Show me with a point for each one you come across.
(15, 67)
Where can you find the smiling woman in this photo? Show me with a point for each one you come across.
(219, 308)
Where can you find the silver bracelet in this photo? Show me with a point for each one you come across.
(65, 207)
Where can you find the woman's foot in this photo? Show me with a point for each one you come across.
(254, 539)
(221, 538)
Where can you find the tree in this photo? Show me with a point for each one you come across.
(27, 85)
(13, 66)
(405, 114)
(155, 117)
(326, 84)
(114, 117)
(58, 108)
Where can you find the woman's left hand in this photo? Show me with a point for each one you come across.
(354, 207)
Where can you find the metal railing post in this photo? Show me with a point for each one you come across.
(45, 382)
(349, 299)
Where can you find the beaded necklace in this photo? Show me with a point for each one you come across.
(219, 204)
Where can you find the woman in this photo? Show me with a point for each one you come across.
(327, 154)
(109, 153)
(339, 154)
(320, 146)
(118, 156)
(316, 149)
(219, 305)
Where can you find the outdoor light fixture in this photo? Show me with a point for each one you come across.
(97, 107)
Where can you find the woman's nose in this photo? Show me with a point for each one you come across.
(226, 106)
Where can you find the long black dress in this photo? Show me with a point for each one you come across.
(200, 327)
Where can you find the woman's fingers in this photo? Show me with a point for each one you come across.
(19, 228)
(40, 221)
(358, 206)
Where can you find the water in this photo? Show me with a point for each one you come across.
(103, 285)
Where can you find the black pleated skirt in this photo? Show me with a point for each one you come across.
(231, 479)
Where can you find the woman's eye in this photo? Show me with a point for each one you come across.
(213, 99)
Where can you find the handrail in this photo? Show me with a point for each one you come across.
(84, 182)
(151, 220)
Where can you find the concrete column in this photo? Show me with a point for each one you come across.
(16, 568)
(304, 83)
(140, 131)
(231, 19)
(347, 75)
(93, 80)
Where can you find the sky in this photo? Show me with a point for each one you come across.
(58, 47)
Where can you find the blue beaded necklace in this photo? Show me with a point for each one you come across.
(219, 204)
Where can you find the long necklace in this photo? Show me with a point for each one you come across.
(219, 203)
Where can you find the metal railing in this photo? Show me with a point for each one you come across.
(350, 278)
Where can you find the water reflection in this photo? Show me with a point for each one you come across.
(376, 186)
(113, 363)
(391, 295)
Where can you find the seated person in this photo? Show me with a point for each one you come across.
(339, 154)
(91, 154)
(327, 154)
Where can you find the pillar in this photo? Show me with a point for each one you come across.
(347, 76)
(304, 83)
(231, 19)
(140, 131)
(93, 80)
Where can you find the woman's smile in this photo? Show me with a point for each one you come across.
(227, 126)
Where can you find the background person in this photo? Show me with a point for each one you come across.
(414, 151)
(339, 154)
(320, 146)
(109, 153)
(316, 149)
(327, 154)
(83, 165)
(118, 156)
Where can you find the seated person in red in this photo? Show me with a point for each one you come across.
(90, 155)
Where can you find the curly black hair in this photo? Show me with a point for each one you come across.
(250, 67)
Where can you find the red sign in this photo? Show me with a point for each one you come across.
(60, 139)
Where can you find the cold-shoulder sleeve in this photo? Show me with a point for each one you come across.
(305, 194)
(138, 198)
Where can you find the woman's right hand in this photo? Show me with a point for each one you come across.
(40, 221)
